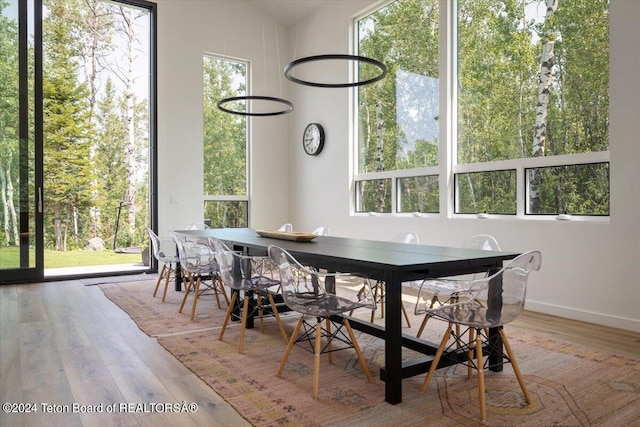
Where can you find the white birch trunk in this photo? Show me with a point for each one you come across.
(380, 151)
(5, 207)
(12, 207)
(542, 107)
(132, 165)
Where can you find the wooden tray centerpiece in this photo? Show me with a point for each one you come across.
(296, 236)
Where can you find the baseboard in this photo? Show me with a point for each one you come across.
(585, 316)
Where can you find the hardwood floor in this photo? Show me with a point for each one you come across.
(64, 342)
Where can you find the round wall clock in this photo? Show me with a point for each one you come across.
(313, 139)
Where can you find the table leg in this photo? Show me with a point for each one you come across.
(178, 277)
(494, 311)
(393, 341)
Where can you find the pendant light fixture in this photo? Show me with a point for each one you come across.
(253, 103)
(332, 57)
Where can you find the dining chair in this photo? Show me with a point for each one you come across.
(475, 309)
(479, 241)
(321, 296)
(379, 289)
(165, 252)
(198, 226)
(199, 266)
(243, 273)
(322, 230)
(286, 227)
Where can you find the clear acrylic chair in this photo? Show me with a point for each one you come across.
(199, 266)
(322, 230)
(243, 273)
(479, 241)
(165, 251)
(286, 227)
(473, 310)
(379, 289)
(198, 226)
(319, 296)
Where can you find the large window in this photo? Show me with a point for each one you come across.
(226, 197)
(527, 94)
(398, 128)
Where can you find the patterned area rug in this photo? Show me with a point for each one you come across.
(570, 385)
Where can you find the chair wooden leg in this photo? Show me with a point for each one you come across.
(356, 347)
(215, 287)
(160, 276)
(243, 325)
(316, 360)
(483, 409)
(472, 338)
(436, 358)
(292, 341)
(514, 364)
(234, 297)
(426, 317)
(422, 325)
(186, 292)
(406, 316)
(375, 301)
(329, 343)
(195, 298)
(277, 316)
(166, 282)
(223, 291)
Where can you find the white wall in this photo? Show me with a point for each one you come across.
(188, 29)
(590, 270)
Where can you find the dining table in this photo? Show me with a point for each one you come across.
(393, 263)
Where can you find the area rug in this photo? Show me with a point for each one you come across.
(570, 385)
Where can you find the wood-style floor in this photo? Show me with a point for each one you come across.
(64, 342)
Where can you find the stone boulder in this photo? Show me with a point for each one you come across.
(95, 244)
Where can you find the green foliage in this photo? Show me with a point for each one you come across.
(67, 127)
(499, 47)
(85, 156)
(225, 142)
(9, 136)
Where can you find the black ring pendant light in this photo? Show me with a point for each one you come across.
(287, 104)
(341, 57)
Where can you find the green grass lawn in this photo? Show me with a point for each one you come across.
(10, 258)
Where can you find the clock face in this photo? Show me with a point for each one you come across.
(313, 139)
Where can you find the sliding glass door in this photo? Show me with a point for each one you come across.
(21, 245)
(77, 137)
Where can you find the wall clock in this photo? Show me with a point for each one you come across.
(313, 139)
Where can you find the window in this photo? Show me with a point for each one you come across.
(399, 116)
(226, 200)
(529, 107)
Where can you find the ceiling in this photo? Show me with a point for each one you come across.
(287, 12)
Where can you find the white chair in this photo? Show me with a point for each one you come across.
(474, 309)
(165, 251)
(304, 291)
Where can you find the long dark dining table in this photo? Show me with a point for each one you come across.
(392, 263)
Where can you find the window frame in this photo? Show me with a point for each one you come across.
(448, 167)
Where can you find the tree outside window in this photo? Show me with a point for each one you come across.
(531, 79)
(225, 144)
